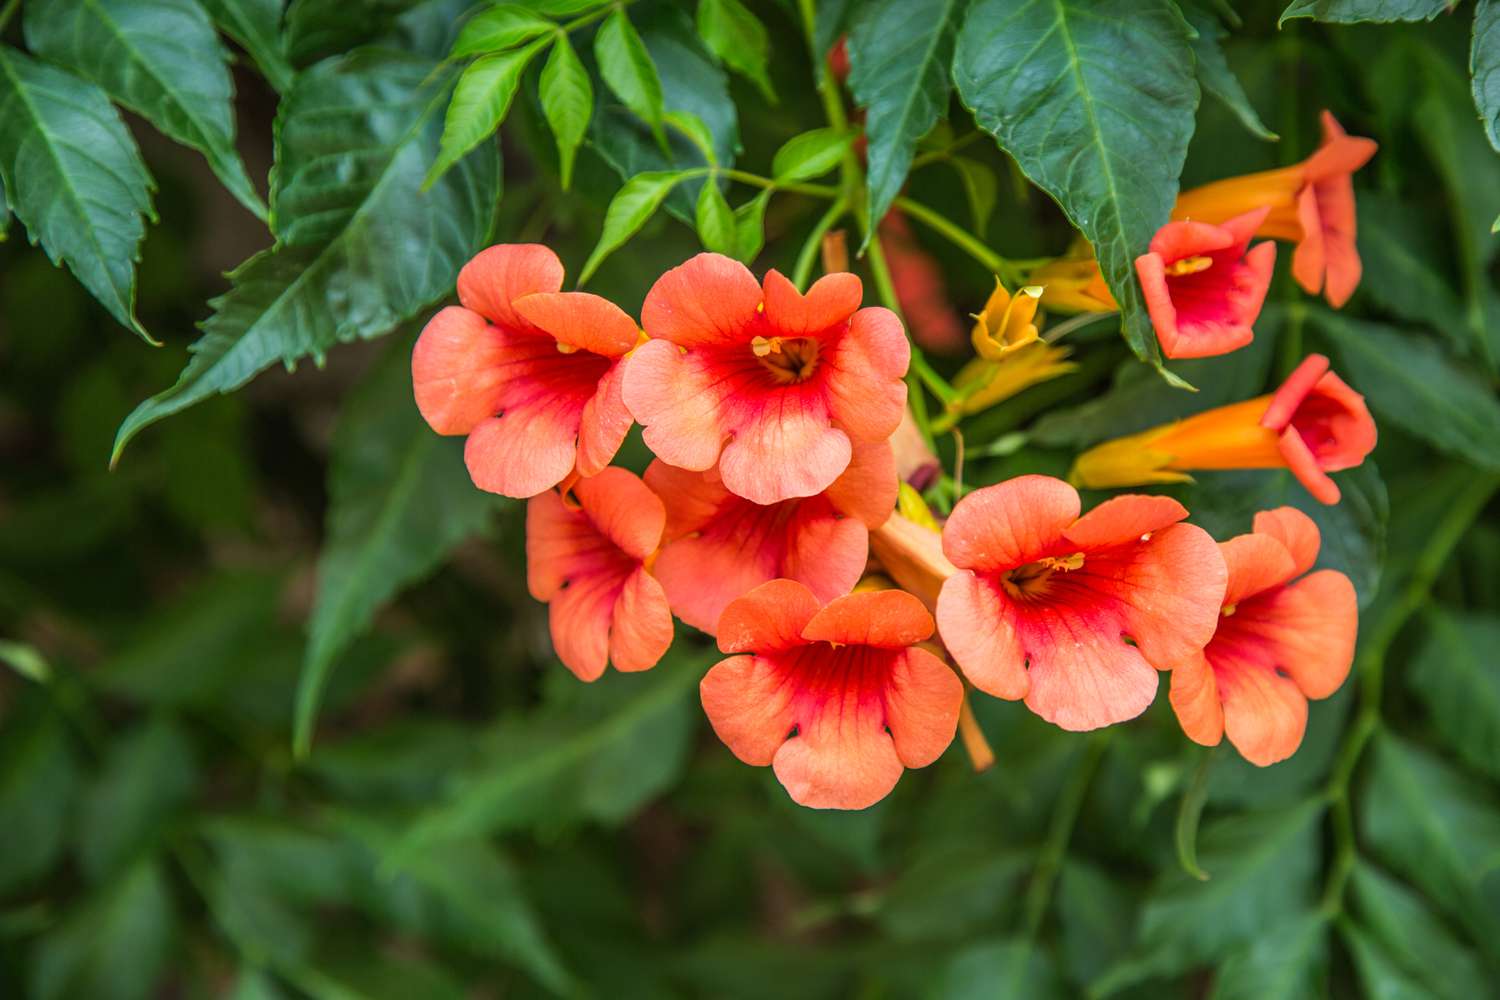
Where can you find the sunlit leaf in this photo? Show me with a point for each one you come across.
(497, 28)
(627, 69)
(568, 102)
(737, 37)
(715, 221)
(480, 101)
(635, 202)
(811, 154)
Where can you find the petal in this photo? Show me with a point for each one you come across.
(842, 757)
(624, 510)
(1151, 270)
(1264, 714)
(786, 449)
(499, 275)
(703, 572)
(868, 488)
(1083, 675)
(1305, 466)
(977, 624)
(1243, 226)
(604, 423)
(582, 320)
(1307, 629)
(457, 371)
(826, 552)
(892, 619)
(579, 618)
(749, 703)
(1195, 700)
(1009, 524)
(1294, 530)
(641, 624)
(710, 299)
(829, 303)
(692, 498)
(1293, 391)
(675, 397)
(1310, 259)
(866, 394)
(524, 452)
(1256, 563)
(922, 701)
(1124, 519)
(769, 618)
(1178, 240)
(553, 534)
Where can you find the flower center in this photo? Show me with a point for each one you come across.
(788, 359)
(1189, 265)
(1033, 580)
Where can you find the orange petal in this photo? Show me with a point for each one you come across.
(1124, 519)
(579, 618)
(783, 449)
(524, 453)
(749, 705)
(1256, 563)
(491, 282)
(922, 701)
(675, 397)
(604, 424)
(624, 510)
(457, 370)
(841, 758)
(1009, 524)
(887, 618)
(767, 619)
(828, 304)
(1294, 530)
(1195, 700)
(866, 394)
(1082, 676)
(868, 488)
(1167, 591)
(582, 320)
(710, 299)
(1264, 714)
(1306, 629)
(641, 624)
(978, 626)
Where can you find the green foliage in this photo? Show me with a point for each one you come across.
(1453, 678)
(627, 68)
(738, 39)
(481, 98)
(1354, 11)
(1214, 74)
(255, 25)
(568, 100)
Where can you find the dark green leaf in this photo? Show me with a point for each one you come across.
(1454, 675)
(400, 501)
(1382, 977)
(715, 221)
(1214, 74)
(750, 227)
(1413, 383)
(480, 101)
(947, 891)
(738, 38)
(159, 58)
(314, 29)
(149, 774)
(83, 201)
(1012, 970)
(362, 246)
(627, 69)
(501, 27)
(38, 781)
(899, 56)
(1287, 960)
(635, 202)
(811, 154)
(1098, 919)
(114, 947)
(1412, 938)
(1400, 250)
(256, 25)
(687, 124)
(567, 101)
(1095, 101)
(1484, 67)
(1355, 11)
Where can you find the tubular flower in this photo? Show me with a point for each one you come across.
(1278, 643)
(837, 698)
(773, 385)
(532, 375)
(588, 563)
(1310, 203)
(1074, 284)
(1075, 614)
(1202, 289)
(982, 383)
(718, 546)
(911, 553)
(1314, 424)
(1007, 323)
(915, 461)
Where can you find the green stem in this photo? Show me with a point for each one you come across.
(809, 252)
(960, 238)
(1369, 667)
(1064, 817)
(942, 154)
(1067, 326)
(771, 183)
(8, 12)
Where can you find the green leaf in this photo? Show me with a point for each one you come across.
(635, 202)
(114, 947)
(1399, 247)
(1383, 979)
(899, 55)
(1435, 826)
(567, 101)
(1010, 970)
(715, 221)
(25, 660)
(148, 776)
(1214, 74)
(161, 59)
(256, 26)
(600, 760)
(1095, 100)
(1484, 68)
(981, 189)
(82, 201)
(687, 124)
(1098, 919)
(314, 29)
(628, 71)
(362, 246)
(38, 783)
(480, 102)
(399, 501)
(1453, 674)
(1287, 960)
(500, 27)
(811, 154)
(1408, 935)
(1414, 384)
(750, 227)
(948, 890)
(1355, 11)
(738, 39)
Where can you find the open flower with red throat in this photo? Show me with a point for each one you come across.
(1310, 203)
(1313, 425)
(1280, 641)
(718, 545)
(532, 375)
(588, 563)
(772, 385)
(1075, 614)
(1202, 288)
(837, 698)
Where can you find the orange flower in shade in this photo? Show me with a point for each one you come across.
(1313, 425)
(1202, 288)
(718, 546)
(919, 286)
(1278, 644)
(1310, 203)
(532, 375)
(837, 698)
(1007, 323)
(773, 385)
(588, 564)
(1075, 614)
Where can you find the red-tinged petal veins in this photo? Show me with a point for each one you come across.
(676, 398)
(978, 624)
(604, 423)
(885, 618)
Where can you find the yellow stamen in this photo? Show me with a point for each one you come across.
(1229, 609)
(1189, 265)
(566, 348)
(762, 346)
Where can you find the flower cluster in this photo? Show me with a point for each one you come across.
(773, 516)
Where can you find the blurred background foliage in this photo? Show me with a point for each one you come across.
(472, 822)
